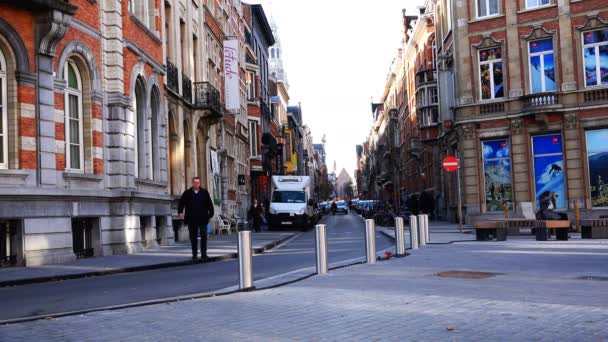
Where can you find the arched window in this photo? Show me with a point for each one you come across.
(143, 148)
(155, 148)
(3, 115)
(74, 155)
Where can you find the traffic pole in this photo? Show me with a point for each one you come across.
(413, 232)
(321, 248)
(399, 237)
(370, 236)
(421, 232)
(245, 264)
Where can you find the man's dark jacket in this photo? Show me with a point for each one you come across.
(196, 216)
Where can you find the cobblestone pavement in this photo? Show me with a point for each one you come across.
(180, 252)
(542, 291)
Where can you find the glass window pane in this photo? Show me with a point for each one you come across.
(73, 99)
(531, 3)
(482, 11)
(74, 132)
(547, 144)
(535, 75)
(604, 63)
(590, 64)
(549, 72)
(74, 157)
(595, 36)
(497, 174)
(72, 80)
(484, 74)
(541, 45)
(493, 7)
(499, 90)
(597, 147)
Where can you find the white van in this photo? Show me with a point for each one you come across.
(291, 203)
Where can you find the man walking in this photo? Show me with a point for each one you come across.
(199, 209)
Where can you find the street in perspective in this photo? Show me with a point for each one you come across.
(290, 170)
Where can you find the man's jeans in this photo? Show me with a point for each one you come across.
(197, 232)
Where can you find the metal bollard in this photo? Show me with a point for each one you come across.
(370, 237)
(321, 247)
(245, 271)
(426, 229)
(413, 232)
(422, 233)
(399, 237)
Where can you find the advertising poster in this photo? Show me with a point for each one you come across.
(215, 168)
(497, 174)
(549, 168)
(597, 152)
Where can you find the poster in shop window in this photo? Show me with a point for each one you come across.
(497, 174)
(549, 168)
(597, 153)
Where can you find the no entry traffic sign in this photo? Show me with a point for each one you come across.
(450, 164)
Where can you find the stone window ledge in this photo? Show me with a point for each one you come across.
(149, 182)
(82, 177)
(14, 173)
(477, 20)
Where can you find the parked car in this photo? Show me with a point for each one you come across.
(341, 208)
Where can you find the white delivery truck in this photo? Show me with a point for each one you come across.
(291, 203)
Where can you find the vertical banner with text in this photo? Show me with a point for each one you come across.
(215, 168)
(231, 75)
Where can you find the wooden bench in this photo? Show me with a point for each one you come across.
(514, 225)
(594, 229)
(541, 229)
(488, 230)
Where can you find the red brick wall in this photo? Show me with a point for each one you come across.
(23, 22)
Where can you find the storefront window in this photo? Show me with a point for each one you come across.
(597, 152)
(549, 168)
(497, 174)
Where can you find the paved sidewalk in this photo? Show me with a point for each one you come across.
(219, 248)
(539, 291)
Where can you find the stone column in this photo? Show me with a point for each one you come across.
(513, 62)
(50, 28)
(566, 48)
(470, 166)
(519, 162)
(574, 162)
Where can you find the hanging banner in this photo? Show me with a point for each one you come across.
(231, 75)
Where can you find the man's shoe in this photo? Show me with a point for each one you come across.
(194, 258)
(204, 258)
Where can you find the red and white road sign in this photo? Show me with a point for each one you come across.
(450, 164)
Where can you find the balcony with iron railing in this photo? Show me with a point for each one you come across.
(172, 77)
(207, 98)
(186, 88)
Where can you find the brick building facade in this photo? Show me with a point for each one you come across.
(531, 103)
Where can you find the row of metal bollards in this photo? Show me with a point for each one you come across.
(419, 236)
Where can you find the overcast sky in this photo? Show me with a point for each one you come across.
(337, 54)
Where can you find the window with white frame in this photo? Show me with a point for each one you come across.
(253, 139)
(595, 54)
(144, 11)
(487, 8)
(542, 66)
(537, 3)
(250, 85)
(491, 81)
(74, 153)
(3, 115)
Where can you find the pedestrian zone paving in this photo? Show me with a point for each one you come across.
(533, 291)
(218, 246)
